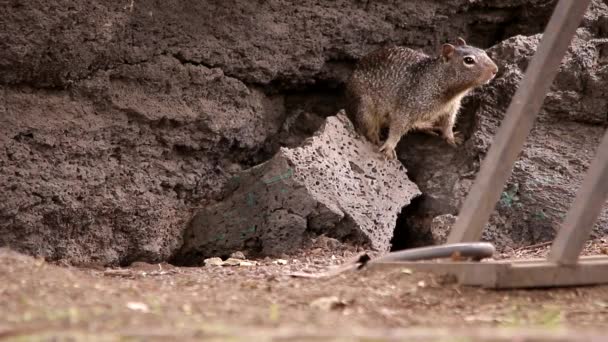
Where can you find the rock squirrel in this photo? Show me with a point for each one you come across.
(402, 89)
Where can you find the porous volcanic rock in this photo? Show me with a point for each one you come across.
(335, 184)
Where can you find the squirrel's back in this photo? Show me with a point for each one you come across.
(383, 70)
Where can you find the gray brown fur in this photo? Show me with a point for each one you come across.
(404, 90)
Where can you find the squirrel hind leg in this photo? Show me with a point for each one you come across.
(447, 128)
(368, 122)
(397, 129)
(369, 132)
(374, 138)
(428, 127)
(372, 133)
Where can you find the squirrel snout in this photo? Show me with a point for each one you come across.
(493, 69)
(490, 72)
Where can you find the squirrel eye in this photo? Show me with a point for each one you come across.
(469, 60)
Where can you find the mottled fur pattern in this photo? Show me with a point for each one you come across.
(402, 89)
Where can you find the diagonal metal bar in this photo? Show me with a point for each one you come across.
(519, 119)
(587, 206)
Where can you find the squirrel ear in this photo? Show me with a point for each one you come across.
(447, 50)
(460, 42)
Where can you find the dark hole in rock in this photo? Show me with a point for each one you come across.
(21, 136)
(407, 233)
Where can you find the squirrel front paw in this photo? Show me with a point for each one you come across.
(389, 152)
(455, 139)
(430, 131)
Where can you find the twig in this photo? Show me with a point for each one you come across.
(542, 244)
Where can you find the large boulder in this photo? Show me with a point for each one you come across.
(335, 184)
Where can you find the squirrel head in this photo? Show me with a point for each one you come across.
(466, 65)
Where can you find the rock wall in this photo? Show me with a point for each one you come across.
(119, 118)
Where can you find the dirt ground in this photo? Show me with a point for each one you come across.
(43, 301)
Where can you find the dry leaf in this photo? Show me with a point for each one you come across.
(328, 303)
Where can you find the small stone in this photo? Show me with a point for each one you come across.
(280, 262)
(138, 306)
(247, 263)
(441, 227)
(316, 251)
(406, 271)
(238, 255)
(187, 308)
(601, 304)
(232, 262)
(214, 262)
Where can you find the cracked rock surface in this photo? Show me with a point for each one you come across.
(335, 184)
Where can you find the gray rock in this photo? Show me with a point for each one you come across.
(232, 262)
(215, 261)
(238, 255)
(335, 184)
(441, 226)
